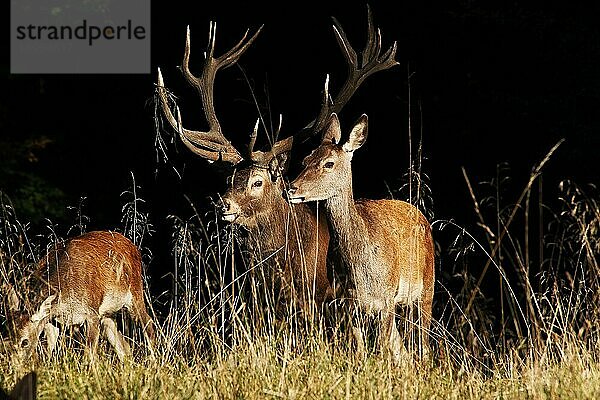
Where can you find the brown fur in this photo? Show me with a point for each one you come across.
(386, 245)
(85, 279)
(292, 231)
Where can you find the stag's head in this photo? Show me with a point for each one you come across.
(254, 190)
(327, 170)
(256, 179)
(256, 186)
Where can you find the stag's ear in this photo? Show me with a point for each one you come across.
(278, 165)
(358, 135)
(44, 310)
(332, 132)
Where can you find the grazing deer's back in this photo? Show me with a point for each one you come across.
(92, 264)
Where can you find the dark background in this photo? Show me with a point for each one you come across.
(492, 82)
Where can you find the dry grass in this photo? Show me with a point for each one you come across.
(517, 315)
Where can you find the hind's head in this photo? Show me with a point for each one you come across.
(25, 328)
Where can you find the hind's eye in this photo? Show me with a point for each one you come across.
(257, 184)
(24, 343)
(328, 165)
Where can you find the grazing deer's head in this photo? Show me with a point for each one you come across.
(327, 169)
(255, 188)
(25, 328)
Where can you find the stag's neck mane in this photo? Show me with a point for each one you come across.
(281, 226)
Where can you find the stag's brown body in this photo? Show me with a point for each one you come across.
(292, 238)
(385, 245)
(301, 242)
(85, 280)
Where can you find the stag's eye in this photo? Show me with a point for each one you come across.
(328, 165)
(24, 343)
(257, 183)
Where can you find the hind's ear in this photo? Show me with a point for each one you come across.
(12, 298)
(44, 310)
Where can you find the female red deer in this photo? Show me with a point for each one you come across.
(386, 245)
(296, 236)
(85, 279)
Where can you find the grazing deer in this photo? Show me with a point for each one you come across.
(386, 245)
(85, 279)
(255, 196)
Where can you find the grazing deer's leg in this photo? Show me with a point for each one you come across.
(93, 334)
(359, 340)
(141, 316)
(425, 319)
(357, 325)
(426, 302)
(115, 338)
(389, 335)
(51, 333)
(26, 388)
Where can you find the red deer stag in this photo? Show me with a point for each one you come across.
(386, 245)
(83, 280)
(255, 198)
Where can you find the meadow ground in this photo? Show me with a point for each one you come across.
(517, 315)
(277, 370)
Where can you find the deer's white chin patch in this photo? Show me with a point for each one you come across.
(229, 217)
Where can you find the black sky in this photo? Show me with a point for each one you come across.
(491, 83)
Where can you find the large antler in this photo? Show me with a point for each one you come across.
(371, 61)
(212, 145)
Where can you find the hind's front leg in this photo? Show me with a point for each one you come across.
(390, 338)
(115, 338)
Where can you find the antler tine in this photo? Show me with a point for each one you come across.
(371, 38)
(232, 56)
(279, 147)
(327, 105)
(212, 144)
(160, 85)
